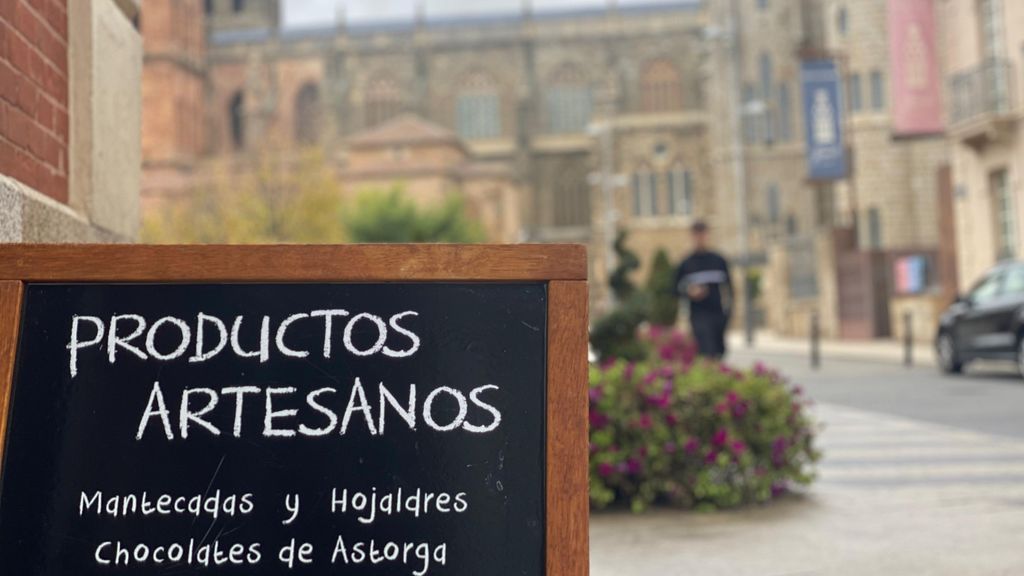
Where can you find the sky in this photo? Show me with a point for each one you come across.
(301, 13)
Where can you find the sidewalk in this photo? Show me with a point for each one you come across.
(895, 497)
(883, 350)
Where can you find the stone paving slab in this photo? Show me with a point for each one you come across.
(915, 499)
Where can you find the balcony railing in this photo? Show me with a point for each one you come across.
(987, 89)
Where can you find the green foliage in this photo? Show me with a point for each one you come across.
(619, 281)
(692, 433)
(271, 200)
(392, 217)
(664, 303)
(614, 334)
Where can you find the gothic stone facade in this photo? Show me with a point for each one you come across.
(525, 90)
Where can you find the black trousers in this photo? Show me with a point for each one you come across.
(709, 332)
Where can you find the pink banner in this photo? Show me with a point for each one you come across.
(914, 68)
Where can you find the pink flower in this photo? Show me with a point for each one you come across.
(628, 372)
(598, 420)
(596, 394)
(712, 457)
(692, 446)
(634, 466)
(671, 419)
(644, 422)
(670, 447)
(779, 446)
(605, 469)
(738, 447)
(720, 438)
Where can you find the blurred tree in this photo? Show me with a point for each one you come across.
(379, 216)
(664, 303)
(278, 198)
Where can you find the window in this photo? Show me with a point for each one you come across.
(774, 204)
(1014, 282)
(853, 92)
(307, 115)
(661, 87)
(237, 5)
(785, 114)
(842, 21)
(990, 16)
(877, 90)
(383, 100)
(874, 228)
(208, 6)
(572, 196)
(987, 289)
(1005, 215)
(680, 191)
(236, 114)
(645, 193)
(762, 4)
(792, 228)
(478, 108)
(568, 102)
(750, 132)
(767, 85)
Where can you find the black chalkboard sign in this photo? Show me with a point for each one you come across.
(219, 428)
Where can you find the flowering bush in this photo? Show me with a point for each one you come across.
(689, 432)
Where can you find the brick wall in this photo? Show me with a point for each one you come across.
(34, 94)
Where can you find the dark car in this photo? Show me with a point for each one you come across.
(988, 322)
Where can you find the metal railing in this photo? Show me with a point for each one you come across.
(988, 88)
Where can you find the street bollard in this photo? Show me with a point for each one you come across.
(815, 341)
(908, 340)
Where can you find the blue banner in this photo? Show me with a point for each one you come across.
(823, 125)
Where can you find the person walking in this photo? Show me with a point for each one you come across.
(703, 279)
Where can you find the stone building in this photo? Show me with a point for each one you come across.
(986, 135)
(547, 101)
(430, 162)
(69, 121)
(834, 249)
(173, 97)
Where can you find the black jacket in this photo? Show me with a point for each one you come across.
(710, 269)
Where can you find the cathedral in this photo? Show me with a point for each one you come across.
(558, 122)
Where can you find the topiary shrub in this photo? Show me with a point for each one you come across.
(687, 432)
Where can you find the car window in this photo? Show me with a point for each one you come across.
(988, 288)
(1014, 282)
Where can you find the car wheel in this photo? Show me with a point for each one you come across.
(949, 360)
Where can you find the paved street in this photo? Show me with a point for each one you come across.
(923, 474)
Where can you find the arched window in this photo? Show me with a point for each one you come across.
(572, 198)
(383, 100)
(661, 87)
(307, 115)
(645, 192)
(478, 108)
(680, 191)
(236, 113)
(568, 101)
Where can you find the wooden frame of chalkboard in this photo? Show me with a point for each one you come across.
(562, 267)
